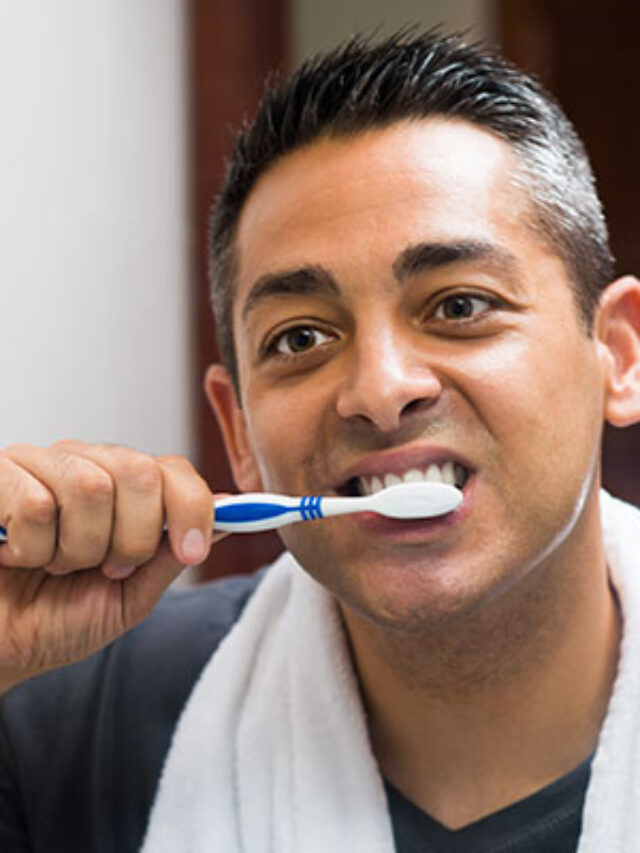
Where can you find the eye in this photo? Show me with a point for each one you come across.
(299, 340)
(463, 306)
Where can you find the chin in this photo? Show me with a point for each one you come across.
(416, 614)
(413, 599)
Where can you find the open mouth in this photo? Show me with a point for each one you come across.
(449, 472)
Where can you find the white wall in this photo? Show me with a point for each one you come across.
(321, 24)
(93, 223)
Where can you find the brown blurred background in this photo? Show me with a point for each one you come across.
(585, 53)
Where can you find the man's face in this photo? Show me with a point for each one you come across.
(395, 311)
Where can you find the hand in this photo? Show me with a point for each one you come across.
(86, 558)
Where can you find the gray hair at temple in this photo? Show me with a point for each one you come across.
(364, 84)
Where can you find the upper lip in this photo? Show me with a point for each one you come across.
(400, 461)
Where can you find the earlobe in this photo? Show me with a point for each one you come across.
(221, 394)
(618, 332)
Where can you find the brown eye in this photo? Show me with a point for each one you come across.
(461, 306)
(300, 340)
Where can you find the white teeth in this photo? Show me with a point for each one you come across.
(391, 480)
(370, 487)
(448, 472)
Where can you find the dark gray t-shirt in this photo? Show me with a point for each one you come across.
(81, 749)
(549, 821)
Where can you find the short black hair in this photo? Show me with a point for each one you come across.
(364, 84)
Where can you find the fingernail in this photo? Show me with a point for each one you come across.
(118, 573)
(194, 546)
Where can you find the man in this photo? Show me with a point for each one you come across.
(411, 280)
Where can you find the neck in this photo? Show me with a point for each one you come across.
(468, 719)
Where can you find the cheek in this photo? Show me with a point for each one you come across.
(285, 431)
(541, 401)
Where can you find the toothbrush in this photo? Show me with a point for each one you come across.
(250, 513)
(253, 512)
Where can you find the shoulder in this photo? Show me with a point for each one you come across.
(87, 742)
(169, 647)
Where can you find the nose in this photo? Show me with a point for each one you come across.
(388, 378)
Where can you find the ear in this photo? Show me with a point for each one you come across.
(221, 394)
(618, 333)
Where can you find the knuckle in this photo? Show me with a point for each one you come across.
(38, 508)
(175, 460)
(66, 445)
(140, 472)
(17, 450)
(186, 479)
(91, 484)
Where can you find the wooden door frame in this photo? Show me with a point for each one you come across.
(232, 46)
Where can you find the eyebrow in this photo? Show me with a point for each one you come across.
(414, 260)
(312, 280)
(424, 257)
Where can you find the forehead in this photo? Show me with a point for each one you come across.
(341, 201)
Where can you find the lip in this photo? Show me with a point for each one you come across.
(418, 531)
(400, 461)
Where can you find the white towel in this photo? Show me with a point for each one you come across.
(611, 817)
(271, 753)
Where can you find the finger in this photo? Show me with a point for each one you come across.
(137, 509)
(188, 503)
(29, 514)
(83, 493)
(171, 566)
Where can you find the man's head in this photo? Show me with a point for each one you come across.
(402, 308)
(364, 85)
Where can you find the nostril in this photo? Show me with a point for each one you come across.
(414, 406)
(370, 396)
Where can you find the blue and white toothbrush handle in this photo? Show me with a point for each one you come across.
(254, 512)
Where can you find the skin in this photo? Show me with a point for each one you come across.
(486, 647)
